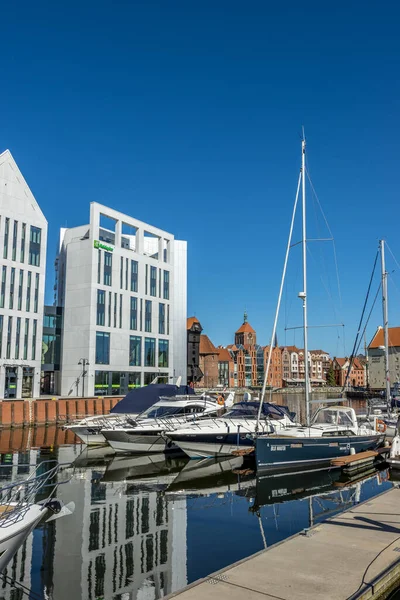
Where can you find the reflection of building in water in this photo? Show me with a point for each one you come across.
(124, 540)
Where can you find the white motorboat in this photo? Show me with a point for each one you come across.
(147, 433)
(235, 430)
(19, 513)
(88, 429)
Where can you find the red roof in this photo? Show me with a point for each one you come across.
(190, 321)
(378, 339)
(245, 328)
(342, 361)
(290, 348)
(224, 355)
(206, 345)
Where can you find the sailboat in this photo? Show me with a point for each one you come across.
(334, 431)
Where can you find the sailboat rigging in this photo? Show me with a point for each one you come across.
(334, 431)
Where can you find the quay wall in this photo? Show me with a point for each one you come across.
(29, 413)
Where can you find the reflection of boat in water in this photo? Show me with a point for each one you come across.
(93, 456)
(273, 489)
(155, 470)
(20, 511)
(211, 475)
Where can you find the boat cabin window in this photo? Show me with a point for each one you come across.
(335, 416)
(162, 411)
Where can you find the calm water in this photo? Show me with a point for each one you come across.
(144, 527)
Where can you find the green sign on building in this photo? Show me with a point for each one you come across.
(98, 244)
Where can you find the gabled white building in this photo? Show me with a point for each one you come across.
(23, 239)
(122, 286)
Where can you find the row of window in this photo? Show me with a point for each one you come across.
(110, 313)
(129, 273)
(135, 351)
(17, 231)
(21, 345)
(20, 292)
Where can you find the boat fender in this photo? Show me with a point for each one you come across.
(220, 400)
(380, 426)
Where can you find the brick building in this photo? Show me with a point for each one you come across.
(226, 367)
(357, 372)
(208, 359)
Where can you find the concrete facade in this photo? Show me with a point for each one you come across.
(118, 277)
(23, 239)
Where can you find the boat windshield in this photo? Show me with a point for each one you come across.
(334, 416)
(161, 411)
(249, 410)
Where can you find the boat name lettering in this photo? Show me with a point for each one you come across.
(278, 448)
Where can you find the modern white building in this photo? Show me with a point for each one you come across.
(23, 238)
(122, 286)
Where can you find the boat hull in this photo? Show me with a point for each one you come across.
(274, 453)
(91, 436)
(123, 442)
(209, 445)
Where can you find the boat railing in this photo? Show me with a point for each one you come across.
(17, 497)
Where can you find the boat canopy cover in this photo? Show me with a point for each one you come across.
(140, 399)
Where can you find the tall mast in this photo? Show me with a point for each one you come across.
(303, 294)
(385, 322)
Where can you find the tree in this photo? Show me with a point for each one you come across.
(330, 377)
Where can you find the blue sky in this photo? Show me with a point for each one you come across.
(188, 116)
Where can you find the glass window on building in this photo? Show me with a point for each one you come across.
(27, 382)
(167, 319)
(102, 348)
(34, 333)
(120, 311)
(23, 235)
(17, 337)
(101, 383)
(133, 380)
(6, 234)
(126, 272)
(28, 292)
(20, 286)
(153, 281)
(133, 319)
(14, 243)
(116, 380)
(1, 335)
(161, 319)
(9, 333)
(101, 308)
(166, 285)
(109, 308)
(149, 352)
(36, 297)
(50, 349)
(135, 351)
(34, 246)
(107, 268)
(3, 286)
(49, 321)
(147, 316)
(121, 274)
(26, 338)
(134, 276)
(115, 308)
(149, 377)
(163, 353)
(12, 285)
(146, 277)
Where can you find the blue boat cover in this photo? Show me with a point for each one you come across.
(140, 399)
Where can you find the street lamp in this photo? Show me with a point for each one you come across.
(85, 363)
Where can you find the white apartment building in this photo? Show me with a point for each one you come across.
(122, 286)
(23, 238)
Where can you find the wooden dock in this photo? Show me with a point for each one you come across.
(355, 555)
